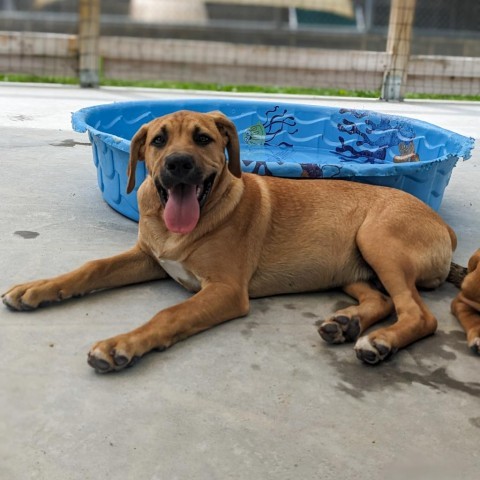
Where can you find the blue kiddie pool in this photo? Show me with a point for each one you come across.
(288, 140)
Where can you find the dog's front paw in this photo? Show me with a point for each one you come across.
(373, 350)
(15, 303)
(20, 298)
(340, 329)
(29, 296)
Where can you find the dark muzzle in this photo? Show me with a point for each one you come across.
(180, 168)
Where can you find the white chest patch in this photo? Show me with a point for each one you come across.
(180, 275)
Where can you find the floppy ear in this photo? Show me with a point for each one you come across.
(227, 128)
(137, 152)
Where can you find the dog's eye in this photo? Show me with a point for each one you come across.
(159, 140)
(202, 139)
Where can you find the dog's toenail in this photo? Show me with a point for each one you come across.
(382, 349)
(353, 330)
(98, 364)
(120, 360)
(102, 365)
(342, 320)
(329, 328)
(25, 306)
(367, 356)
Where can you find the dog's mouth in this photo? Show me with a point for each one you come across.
(183, 202)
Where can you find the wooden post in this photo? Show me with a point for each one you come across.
(402, 13)
(88, 42)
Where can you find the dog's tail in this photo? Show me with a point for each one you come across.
(457, 274)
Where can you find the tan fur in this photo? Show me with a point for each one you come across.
(261, 236)
(466, 305)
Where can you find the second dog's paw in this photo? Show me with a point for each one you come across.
(372, 350)
(340, 329)
(474, 345)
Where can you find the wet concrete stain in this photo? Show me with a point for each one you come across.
(20, 118)
(301, 374)
(319, 323)
(357, 379)
(475, 421)
(261, 305)
(250, 327)
(26, 234)
(69, 142)
(341, 304)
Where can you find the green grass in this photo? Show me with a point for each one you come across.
(233, 88)
(438, 96)
(243, 88)
(38, 79)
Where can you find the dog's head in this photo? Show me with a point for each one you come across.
(185, 156)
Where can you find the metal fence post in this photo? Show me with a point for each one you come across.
(402, 13)
(88, 42)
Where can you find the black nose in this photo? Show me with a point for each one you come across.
(179, 164)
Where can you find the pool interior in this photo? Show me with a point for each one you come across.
(289, 134)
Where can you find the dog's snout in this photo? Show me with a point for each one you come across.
(180, 167)
(179, 164)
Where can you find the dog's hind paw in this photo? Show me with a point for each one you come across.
(372, 351)
(340, 329)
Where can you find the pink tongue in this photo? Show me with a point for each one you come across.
(182, 210)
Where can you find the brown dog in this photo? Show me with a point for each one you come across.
(466, 305)
(229, 236)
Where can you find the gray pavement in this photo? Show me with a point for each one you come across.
(257, 398)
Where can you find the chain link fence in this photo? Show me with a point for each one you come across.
(393, 47)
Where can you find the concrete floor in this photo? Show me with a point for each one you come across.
(258, 398)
